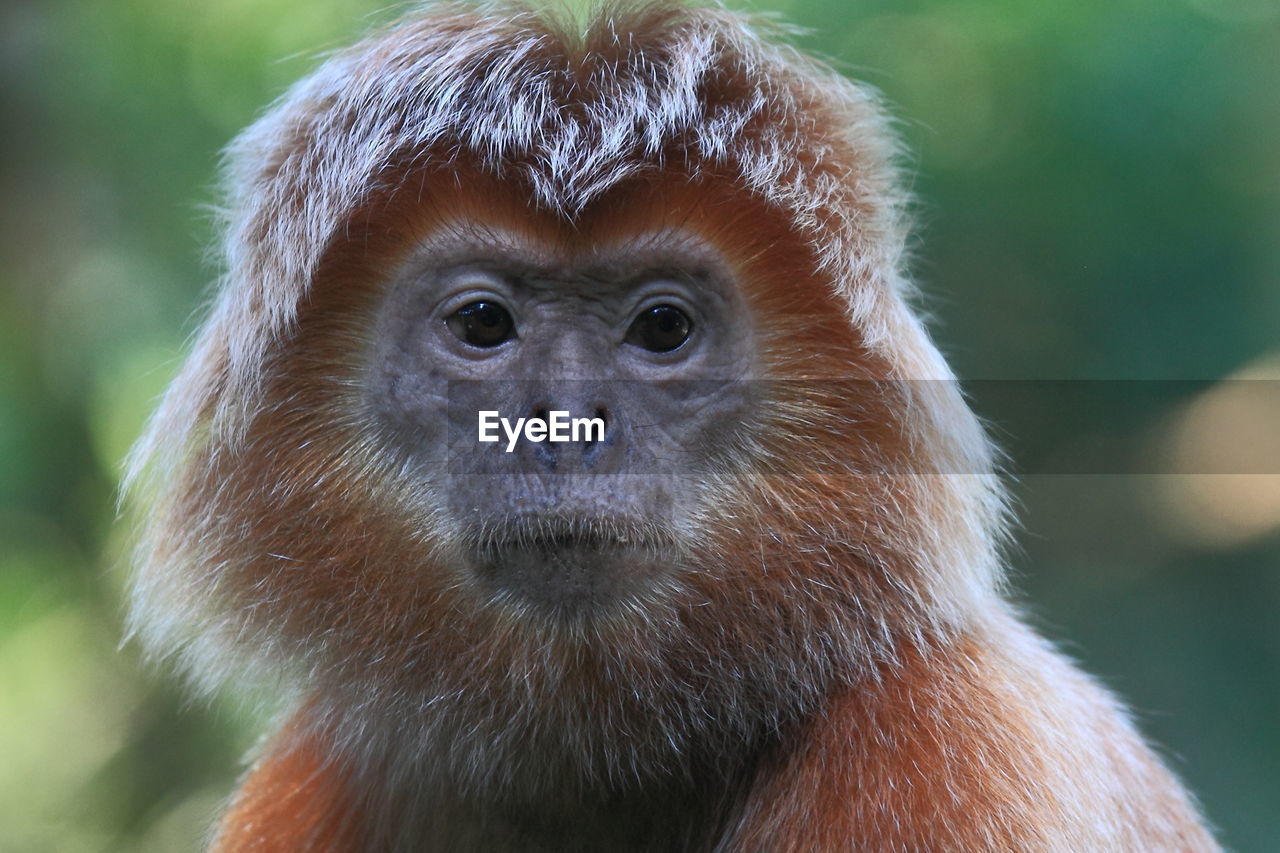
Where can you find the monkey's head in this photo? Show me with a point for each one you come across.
(668, 227)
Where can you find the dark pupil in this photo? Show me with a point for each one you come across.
(660, 329)
(481, 324)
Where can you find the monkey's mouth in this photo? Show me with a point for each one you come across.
(571, 564)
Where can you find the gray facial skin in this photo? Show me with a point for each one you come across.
(577, 526)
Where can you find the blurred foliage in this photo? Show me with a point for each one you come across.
(1100, 186)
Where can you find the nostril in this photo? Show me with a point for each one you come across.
(542, 413)
(603, 415)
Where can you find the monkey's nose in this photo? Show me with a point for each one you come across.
(580, 436)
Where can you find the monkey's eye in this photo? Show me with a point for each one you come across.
(660, 329)
(481, 324)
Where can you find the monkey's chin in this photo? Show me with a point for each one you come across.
(571, 573)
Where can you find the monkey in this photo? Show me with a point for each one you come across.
(759, 606)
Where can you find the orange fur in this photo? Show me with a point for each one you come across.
(294, 799)
(992, 743)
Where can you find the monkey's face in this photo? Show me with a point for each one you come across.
(687, 576)
(743, 530)
(607, 382)
(745, 527)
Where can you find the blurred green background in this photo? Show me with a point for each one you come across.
(1100, 186)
